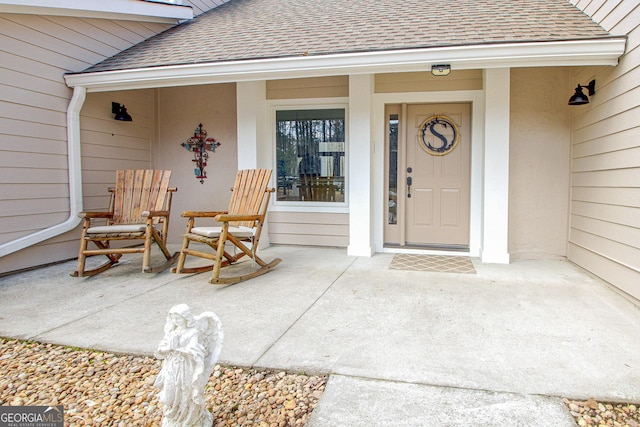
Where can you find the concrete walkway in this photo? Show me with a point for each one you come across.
(496, 348)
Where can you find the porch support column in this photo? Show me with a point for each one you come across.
(254, 145)
(250, 101)
(495, 236)
(360, 170)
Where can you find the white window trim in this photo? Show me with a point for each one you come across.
(168, 11)
(309, 104)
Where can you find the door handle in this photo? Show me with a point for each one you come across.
(409, 182)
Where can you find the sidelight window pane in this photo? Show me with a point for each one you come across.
(393, 169)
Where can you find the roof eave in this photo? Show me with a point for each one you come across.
(603, 51)
(126, 10)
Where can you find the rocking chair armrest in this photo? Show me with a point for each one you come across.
(89, 215)
(202, 214)
(152, 214)
(237, 217)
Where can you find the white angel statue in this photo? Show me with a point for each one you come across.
(190, 348)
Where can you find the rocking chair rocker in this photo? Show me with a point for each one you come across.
(140, 200)
(241, 227)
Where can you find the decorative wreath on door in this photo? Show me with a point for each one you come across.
(438, 135)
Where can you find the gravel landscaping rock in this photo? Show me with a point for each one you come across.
(104, 389)
(594, 413)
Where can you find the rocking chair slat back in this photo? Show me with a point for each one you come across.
(137, 191)
(250, 188)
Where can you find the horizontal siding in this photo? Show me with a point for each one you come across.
(592, 7)
(109, 145)
(627, 139)
(303, 240)
(50, 93)
(35, 53)
(317, 87)
(625, 215)
(426, 82)
(306, 228)
(31, 207)
(33, 161)
(606, 177)
(620, 196)
(608, 125)
(605, 246)
(201, 6)
(604, 235)
(622, 13)
(29, 127)
(28, 177)
(38, 31)
(52, 251)
(621, 276)
(15, 227)
(119, 35)
(623, 234)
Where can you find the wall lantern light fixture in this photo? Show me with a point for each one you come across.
(441, 70)
(579, 98)
(120, 112)
(200, 145)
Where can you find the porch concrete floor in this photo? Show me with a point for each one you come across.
(500, 347)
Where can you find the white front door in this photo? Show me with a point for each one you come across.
(433, 176)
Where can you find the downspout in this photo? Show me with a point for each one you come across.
(75, 181)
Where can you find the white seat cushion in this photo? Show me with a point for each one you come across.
(241, 232)
(123, 228)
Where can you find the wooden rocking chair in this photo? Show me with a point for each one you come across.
(140, 201)
(241, 226)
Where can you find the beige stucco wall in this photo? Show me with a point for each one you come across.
(539, 152)
(539, 161)
(180, 110)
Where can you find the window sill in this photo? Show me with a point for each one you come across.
(326, 207)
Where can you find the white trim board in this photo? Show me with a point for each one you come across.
(508, 55)
(127, 10)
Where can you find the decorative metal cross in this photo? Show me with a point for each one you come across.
(199, 144)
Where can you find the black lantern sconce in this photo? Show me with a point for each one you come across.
(120, 112)
(579, 98)
(200, 145)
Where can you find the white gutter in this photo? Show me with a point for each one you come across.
(75, 181)
(512, 55)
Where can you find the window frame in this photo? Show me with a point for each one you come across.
(309, 104)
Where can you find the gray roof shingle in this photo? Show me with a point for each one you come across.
(260, 29)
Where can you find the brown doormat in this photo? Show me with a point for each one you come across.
(433, 263)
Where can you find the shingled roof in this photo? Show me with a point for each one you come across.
(261, 29)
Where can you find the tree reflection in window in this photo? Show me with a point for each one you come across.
(310, 155)
(393, 169)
